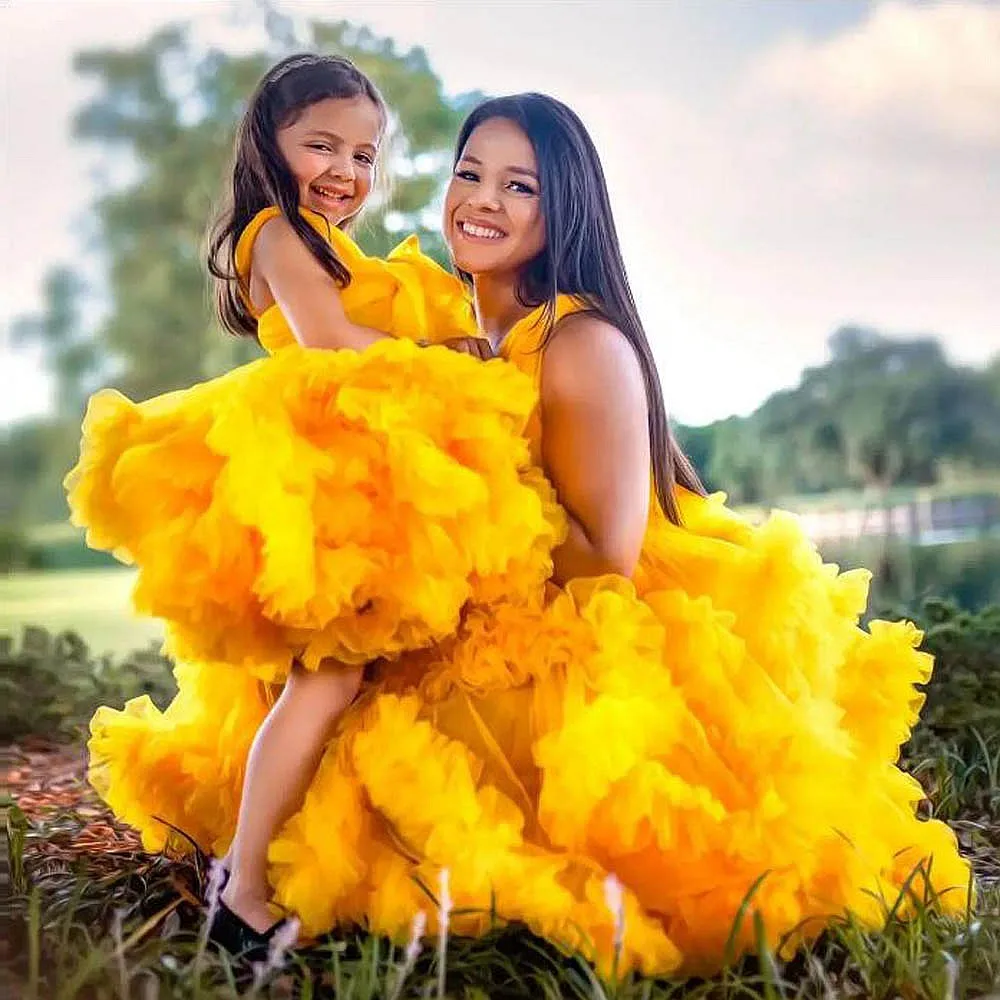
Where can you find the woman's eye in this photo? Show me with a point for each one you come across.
(467, 175)
(521, 188)
(320, 146)
(365, 158)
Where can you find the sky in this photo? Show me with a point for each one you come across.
(778, 168)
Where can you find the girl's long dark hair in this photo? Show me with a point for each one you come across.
(582, 257)
(261, 177)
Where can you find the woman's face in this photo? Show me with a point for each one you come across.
(493, 221)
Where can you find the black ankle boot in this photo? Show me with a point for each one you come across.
(236, 936)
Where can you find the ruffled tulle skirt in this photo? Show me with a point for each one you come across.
(320, 504)
(718, 731)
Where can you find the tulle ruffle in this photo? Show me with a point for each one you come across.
(320, 504)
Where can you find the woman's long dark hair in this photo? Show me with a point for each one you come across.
(261, 176)
(582, 257)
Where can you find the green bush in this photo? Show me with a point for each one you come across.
(964, 692)
(17, 552)
(51, 684)
(70, 552)
(955, 748)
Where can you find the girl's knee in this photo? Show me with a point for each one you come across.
(327, 691)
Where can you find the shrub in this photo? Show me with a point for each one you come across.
(17, 551)
(51, 684)
(964, 692)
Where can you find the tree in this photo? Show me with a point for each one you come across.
(992, 378)
(902, 407)
(880, 412)
(169, 112)
(164, 116)
(734, 466)
(68, 353)
(698, 444)
(36, 454)
(34, 457)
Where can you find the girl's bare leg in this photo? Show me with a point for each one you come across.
(282, 762)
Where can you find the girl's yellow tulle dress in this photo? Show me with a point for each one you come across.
(717, 728)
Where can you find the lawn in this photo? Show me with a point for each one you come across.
(94, 603)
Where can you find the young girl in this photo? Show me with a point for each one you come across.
(243, 570)
(309, 140)
(693, 719)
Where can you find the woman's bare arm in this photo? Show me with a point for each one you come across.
(595, 446)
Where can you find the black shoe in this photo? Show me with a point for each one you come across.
(236, 936)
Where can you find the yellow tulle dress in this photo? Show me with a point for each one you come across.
(325, 503)
(621, 765)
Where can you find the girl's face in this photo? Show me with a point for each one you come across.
(330, 149)
(493, 220)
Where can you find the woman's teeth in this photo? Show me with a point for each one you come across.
(481, 231)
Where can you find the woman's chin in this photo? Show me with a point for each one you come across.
(478, 263)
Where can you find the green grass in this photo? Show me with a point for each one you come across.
(103, 921)
(120, 925)
(94, 603)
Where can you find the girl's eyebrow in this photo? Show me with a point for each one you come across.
(325, 134)
(511, 170)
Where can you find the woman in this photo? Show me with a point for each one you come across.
(714, 728)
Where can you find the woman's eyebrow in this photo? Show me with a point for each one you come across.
(468, 158)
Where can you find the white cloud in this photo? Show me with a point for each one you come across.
(930, 69)
(835, 180)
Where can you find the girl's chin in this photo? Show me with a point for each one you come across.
(334, 214)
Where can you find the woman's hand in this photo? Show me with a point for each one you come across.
(477, 347)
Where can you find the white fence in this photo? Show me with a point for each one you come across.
(924, 521)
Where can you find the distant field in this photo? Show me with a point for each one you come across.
(94, 603)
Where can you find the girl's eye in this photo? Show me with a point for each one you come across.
(467, 175)
(520, 188)
(322, 147)
(365, 158)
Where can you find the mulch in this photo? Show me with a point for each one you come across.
(48, 783)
